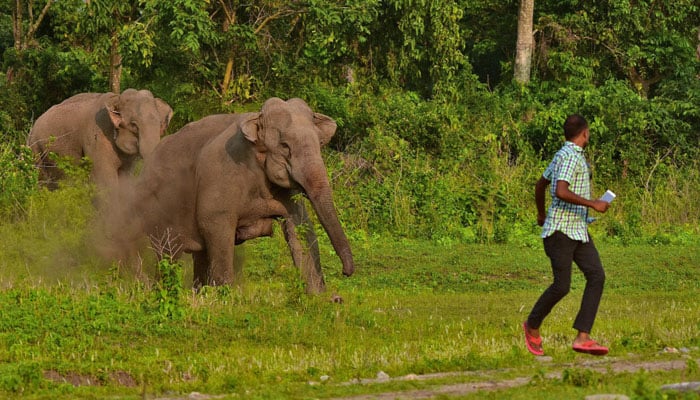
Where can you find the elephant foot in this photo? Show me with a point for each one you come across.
(315, 286)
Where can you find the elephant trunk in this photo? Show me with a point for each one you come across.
(318, 190)
(148, 141)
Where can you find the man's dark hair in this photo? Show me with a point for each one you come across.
(574, 125)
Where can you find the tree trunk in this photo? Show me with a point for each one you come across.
(230, 20)
(23, 40)
(115, 66)
(34, 24)
(227, 76)
(17, 24)
(524, 46)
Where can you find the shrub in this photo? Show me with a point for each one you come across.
(169, 292)
(18, 179)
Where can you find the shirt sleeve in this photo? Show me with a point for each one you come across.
(549, 172)
(567, 168)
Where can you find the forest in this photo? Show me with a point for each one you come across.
(436, 139)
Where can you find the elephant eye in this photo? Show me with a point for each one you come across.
(286, 149)
(133, 127)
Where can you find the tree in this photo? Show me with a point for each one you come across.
(24, 35)
(419, 45)
(112, 29)
(245, 28)
(697, 51)
(524, 47)
(644, 41)
(490, 30)
(23, 31)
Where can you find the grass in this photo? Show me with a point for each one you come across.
(413, 307)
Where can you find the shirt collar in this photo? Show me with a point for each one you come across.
(574, 146)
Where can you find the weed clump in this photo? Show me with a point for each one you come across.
(168, 294)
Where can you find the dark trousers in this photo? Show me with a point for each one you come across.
(562, 250)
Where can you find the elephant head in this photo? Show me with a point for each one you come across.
(139, 121)
(289, 136)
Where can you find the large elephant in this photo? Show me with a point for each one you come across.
(226, 178)
(112, 130)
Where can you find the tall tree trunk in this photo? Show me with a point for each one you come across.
(525, 45)
(227, 76)
(230, 20)
(115, 66)
(17, 24)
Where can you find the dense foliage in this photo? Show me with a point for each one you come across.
(434, 139)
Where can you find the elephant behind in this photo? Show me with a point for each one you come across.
(112, 130)
(226, 178)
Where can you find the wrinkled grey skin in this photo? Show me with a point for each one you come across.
(112, 130)
(226, 178)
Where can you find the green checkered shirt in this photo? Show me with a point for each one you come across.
(569, 164)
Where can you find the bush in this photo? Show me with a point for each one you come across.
(428, 168)
(168, 294)
(18, 179)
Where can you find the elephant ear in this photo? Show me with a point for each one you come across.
(250, 127)
(165, 112)
(112, 106)
(326, 126)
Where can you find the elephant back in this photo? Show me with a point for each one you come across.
(72, 115)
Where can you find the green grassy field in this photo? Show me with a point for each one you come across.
(72, 327)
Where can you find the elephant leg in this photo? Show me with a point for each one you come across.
(49, 174)
(306, 258)
(48, 161)
(270, 208)
(290, 236)
(200, 261)
(261, 227)
(221, 267)
(219, 236)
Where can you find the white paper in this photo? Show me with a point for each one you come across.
(608, 196)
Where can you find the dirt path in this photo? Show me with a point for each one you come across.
(488, 380)
(617, 366)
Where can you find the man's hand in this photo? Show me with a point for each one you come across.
(600, 206)
(540, 219)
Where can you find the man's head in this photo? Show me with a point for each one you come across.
(576, 130)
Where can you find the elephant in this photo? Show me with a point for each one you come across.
(226, 179)
(112, 130)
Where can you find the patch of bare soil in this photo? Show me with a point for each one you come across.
(604, 365)
(120, 378)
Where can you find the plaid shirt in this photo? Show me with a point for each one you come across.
(569, 164)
